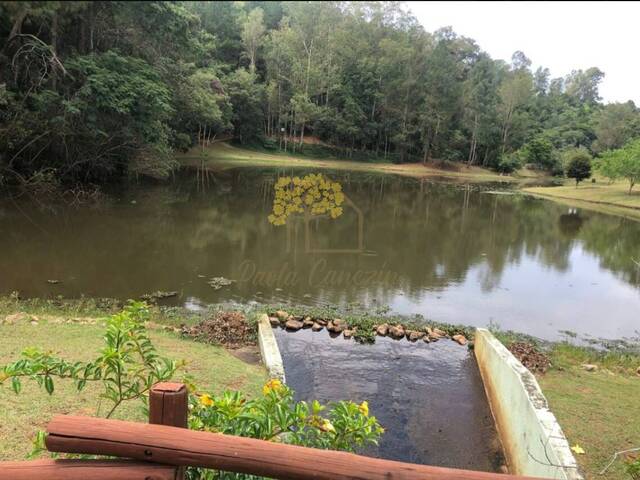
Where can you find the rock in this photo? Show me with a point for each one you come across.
(382, 330)
(435, 334)
(336, 328)
(415, 335)
(282, 315)
(53, 282)
(439, 333)
(218, 282)
(278, 289)
(158, 295)
(348, 333)
(293, 324)
(503, 469)
(396, 332)
(339, 321)
(320, 321)
(316, 327)
(33, 322)
(461, 339)
(426, 339)
(308, 322)
(306, 295)
(590, 367)
(274, 321)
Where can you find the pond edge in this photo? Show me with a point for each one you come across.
(269, 351)
(532, 439)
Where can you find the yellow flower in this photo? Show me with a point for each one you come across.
(578, 449)
(364, 408)
(327, 426)
(273, 385)
(206, 400)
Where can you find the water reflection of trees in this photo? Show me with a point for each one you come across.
(432, 234)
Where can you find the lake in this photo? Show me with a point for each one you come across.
(451, 252)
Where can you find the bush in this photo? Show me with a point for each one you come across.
(578, 165)
(128, 365)
(276, 417)
(508, 163)
(539, 152)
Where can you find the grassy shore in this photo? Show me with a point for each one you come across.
(602, 196)
(598, 410)
(221, 156)
(21, 416)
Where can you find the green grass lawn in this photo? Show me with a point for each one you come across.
(213, 368)
(600, 411)
(609, 198)
(220, 156)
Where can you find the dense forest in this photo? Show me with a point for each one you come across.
(93, 91)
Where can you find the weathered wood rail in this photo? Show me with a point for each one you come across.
(160, 450)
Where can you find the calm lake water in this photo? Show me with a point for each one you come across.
(453, 253)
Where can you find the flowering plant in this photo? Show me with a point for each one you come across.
(277, 417)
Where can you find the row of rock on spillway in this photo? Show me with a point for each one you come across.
(339, 326)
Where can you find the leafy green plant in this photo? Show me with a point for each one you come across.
(128, 365)
(276, 417)
(633, 467)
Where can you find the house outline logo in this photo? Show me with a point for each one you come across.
(360, 233)
(315, 196)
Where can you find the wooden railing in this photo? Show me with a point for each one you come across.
(161, 449)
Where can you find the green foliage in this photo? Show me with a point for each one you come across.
(578, 165)
(632, 468)
(622, 163)
(96, 90)
(539, 152)
(127, 367)
(277, 417)
(509, 163)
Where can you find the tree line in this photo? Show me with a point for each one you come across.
(93, 91)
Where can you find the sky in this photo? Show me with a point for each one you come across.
(562, 36)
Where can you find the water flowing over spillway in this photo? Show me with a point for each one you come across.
(428, 397)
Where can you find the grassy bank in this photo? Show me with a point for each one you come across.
(221, 156)
(598, 410)
(602, 196)
(212, 368)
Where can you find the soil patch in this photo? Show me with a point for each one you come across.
(230, 329)
(530, 357)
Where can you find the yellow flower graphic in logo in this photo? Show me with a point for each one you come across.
(312, 194)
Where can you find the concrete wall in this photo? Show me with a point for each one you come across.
(532, 438)
(269, 349)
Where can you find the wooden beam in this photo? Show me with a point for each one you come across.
(85, 469)
(177, 446)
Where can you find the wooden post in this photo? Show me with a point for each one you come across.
(168, 405)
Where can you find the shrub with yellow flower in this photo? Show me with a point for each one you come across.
(273, 385)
